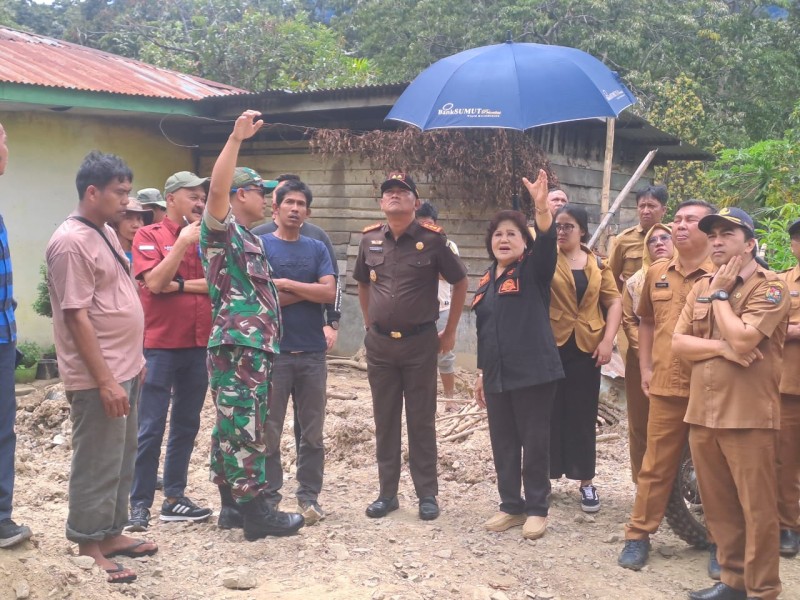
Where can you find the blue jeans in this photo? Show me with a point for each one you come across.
(306, 373)
(8, 439)
(182, 374)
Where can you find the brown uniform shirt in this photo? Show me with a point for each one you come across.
(664, 294)
(403, 274)
(626, 254)
(790, 376)
(725, 395)
(587, 319)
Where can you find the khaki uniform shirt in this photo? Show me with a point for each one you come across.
(723, 394)
(790, 377)
(403, 274)
(586, 320)
(626, 254)
(664, 294)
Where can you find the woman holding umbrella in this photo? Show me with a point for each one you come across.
(519, 361)
(585, 313)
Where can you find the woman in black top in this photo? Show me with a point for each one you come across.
(519, 361)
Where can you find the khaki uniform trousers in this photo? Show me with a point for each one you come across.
(666, 438)
(638, 410)
(737, 478)
(789, 463)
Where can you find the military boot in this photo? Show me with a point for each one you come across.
(230, 517)
(261, 520)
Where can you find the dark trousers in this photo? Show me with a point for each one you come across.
(304, 374)
(519, 428)
(8, 439)
(398, 370)
(182, 376)
(572, 426)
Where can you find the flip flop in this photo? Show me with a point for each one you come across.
(130, 551)
(120, 569)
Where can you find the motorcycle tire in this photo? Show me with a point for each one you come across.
(685, 509)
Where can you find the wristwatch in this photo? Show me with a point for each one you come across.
(334, 325)
(718, 295)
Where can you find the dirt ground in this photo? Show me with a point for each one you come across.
(349, 556)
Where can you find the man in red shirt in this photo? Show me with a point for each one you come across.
(177, 313)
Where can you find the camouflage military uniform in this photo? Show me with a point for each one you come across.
(245, 332)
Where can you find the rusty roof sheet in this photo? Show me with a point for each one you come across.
(32, 59)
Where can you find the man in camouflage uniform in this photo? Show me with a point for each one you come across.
(245, 332)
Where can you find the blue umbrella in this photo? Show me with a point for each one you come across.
(512, 86)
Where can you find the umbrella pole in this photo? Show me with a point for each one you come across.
(515, 203)
(606, 190)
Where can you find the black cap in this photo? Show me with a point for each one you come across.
(401, 179)
(794, 227)
(730, 214)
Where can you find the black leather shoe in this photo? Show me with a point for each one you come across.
(261, 520)
(720, 591)
(382, 506)
(790, 545)
(714, 570)
(428, 509)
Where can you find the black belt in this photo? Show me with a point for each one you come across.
(406, 332)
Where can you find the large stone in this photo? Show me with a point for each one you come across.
(21, 589)
(83, 562)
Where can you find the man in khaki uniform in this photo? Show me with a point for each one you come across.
(665, 376)
(625, 256)
(732, 329)
(789, 437)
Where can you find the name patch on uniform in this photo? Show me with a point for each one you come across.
(376, 248)
(662, 284)
(794, 293)
(144, 247)
(774, 294)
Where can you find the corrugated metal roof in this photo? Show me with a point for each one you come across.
(32, 59)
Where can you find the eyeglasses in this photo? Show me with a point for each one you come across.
(659, 238)
(565, 227)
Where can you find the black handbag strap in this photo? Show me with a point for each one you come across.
(123, 263)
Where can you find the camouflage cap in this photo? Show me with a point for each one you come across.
(151, 196)
(244, 176)
(183, 179)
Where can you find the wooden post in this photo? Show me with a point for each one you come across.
(606, 191)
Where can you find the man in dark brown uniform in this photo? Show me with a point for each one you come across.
(397, 270)
(789, 437)
(732, 329)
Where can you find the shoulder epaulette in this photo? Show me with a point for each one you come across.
(432, 227)
(628, 230)
(372, 227)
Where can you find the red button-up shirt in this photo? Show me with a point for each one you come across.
(171, 320)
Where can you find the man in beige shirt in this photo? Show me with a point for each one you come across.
(99, 330)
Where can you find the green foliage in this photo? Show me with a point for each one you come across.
(765, 174)
(773, 237)
(31, 353)
(41, 305)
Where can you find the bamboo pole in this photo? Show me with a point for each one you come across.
(621, 196)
